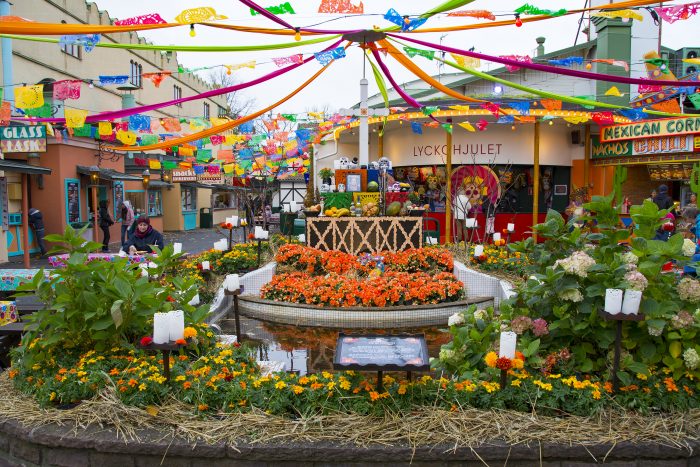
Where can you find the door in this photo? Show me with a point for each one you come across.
(188, 196)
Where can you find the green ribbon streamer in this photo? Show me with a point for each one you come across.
(187, 48)
(412, 52)
(382, 89)
(528, 9)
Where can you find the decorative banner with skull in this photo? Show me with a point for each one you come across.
(478, 183)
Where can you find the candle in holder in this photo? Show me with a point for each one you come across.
(205, 265)
(264, 235)
(431, 241)
(631, 302)
(177, 248)
(478, 250)
(613, 301)
(507, 345)
(511, 228)
(258, 231)
(232, 282)
(496, 237)
(234, 221)
(293, 206)
(176, 325)
(161, 328)
(470, 223)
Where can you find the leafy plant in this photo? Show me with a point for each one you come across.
(325, 173)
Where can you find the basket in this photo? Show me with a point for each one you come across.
(365, 197)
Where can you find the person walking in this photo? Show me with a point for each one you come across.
(143, 238)
(105, 223)
(662, 199)
(127, 216)
(36, 221)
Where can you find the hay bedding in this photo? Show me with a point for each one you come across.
(427, 426)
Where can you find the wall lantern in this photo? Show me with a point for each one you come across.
(146, 178)
(94, 175)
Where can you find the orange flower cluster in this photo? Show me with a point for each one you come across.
(390, 289)
(420, 259)
(226, 226)
(500, 242)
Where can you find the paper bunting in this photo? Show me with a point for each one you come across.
(417, 128)
(63, 90)
(86, 41)
(695, 100)
(281, 9)
(633, 114)
(171, 124)
(304, 134)
(464, 61)
(116, 79)
(428, 110)
(217, 139)
(528, 9)
(467, 126)
(587, 98)
(406, 23)
(203, 155)
(198, 15)
(568, 61)
(215, 121)
(185, 165)
(491, 107)
(148, 139)
(290, 117)
(225, 155)
(248, 64)
(141, 162)
(551, 104)
(75, 118)
(139, 122)
(671, 14)
(447, 127)
(293, 60)
(185, 152)
(340, 6)
(121, 126)
(126, 137)
(517, 58)
(86, 131)
(394, 110)
(198, 169)
(460, 108)
(629, 14)
(329, 55)
(157, 78)
(44, 111)
(412, 52)
(523, 108)
(228, 168)
(610, 61)
(169, 165)
(576, 120)
(479, 14)
(153, 18)
(245, 154)
(603, 118)
(153, 164)
(613, 91)
(29, 97)
(5, 113)
(197, 124)
(506, 119)
(482, 124)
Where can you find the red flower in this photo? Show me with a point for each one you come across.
(199, 266)
(251, 236)
(503, 363)
(146, 341)
(236, 344)
(668, 266)
(181, 342)
(170, 298)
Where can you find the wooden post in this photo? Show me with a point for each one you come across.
(536, 181)
(380, 144)
(25, 219)
(587, 156)
(95, 235)
(448, 194)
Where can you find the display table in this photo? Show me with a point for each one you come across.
(10, 279)
(356, 235)
(59, 261)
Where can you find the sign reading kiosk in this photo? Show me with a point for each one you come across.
(23, 138)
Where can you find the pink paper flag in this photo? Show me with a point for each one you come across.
(292, 59)
(517, 58)
(63, 90)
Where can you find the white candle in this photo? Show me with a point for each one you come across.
(293, 206)
(431, 241)
(194, 301)
(232, 282)
(234, 221)
(264, 235)
(496, 237)
(177, 248)
(511, 228)
(302, 238)
(258, 231)
(144, 270)
(478, 250)
(161, 328)
(205, 265)
(613, 301)
(176, 325)
(507, 345)
(630, 305)
(470, 223)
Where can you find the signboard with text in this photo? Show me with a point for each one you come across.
(643, 147)
(23, 138)
(381, 352)
(651, 129)
(184, 176)
(211, 179)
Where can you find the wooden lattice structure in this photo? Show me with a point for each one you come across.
(356, 235)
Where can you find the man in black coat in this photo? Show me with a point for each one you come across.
(662, 200)
(36, 222)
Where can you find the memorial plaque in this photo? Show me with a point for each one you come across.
(381, 353)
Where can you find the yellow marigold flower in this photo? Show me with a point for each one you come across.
(596, 394)
(516, 363)
(641, 376)
(180, 378)
(330, 385)
(297, 389)
(345, 385)
(190, 332)
(490, 359)
(516, 383)
(52, 396)
(202, 407)
(280, 385)
(142, 387)
(327, 375)
(545, 386)
(402, 390)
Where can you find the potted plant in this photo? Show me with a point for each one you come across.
(326, 175)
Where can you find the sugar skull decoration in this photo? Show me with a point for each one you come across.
(343, 163)
(478, 183)
(385, 163)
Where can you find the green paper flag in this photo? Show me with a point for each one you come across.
(203, 155)
(695, 99)
(412, 52)
(587, 98)
(174, 149)
(169, 165)
(447, 127)
(290, 117)
(206, 140)
(84, 131)
(42, 112)
(428, 110)
(1, 93)
(147, 140)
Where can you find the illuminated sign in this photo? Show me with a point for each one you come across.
(641, 147)
(651, 128)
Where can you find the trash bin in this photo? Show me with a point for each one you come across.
(206, 219)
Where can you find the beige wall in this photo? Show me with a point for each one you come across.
(220, 215)
(203, 200)
(172, 220)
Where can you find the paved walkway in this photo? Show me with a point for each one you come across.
(193, 241)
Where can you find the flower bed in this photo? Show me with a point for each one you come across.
(496, 260)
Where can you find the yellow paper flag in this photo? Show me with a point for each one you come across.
(75, 118)
(576, 120)
(466, 61)
(460, 108)
(126, 137)
(29, 97)
(153, 164)
(620, 14)
(316, 115)
(613, 91)
(467, 126)
(104, 128)
(49, 129)
(218, 121)
(228, 168)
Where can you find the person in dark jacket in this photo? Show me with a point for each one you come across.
(105, 222)
(662, 200)
(36, 222)
(144, 237)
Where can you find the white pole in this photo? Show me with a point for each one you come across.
(364, 129)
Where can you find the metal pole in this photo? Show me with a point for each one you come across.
(237, 318)
(587, 156)
(448, 199)
(25, 219)
(95, 236)
(536, 181)
(380, 144)
(6, 45)
(364, 128)
(616, 361)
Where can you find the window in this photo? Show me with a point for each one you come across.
(155, 205)
(221, 113)
(207, 110)
(135, 72)
(177, 94)
(138, 201)
(222, 200)
(189, 199)
(71, 49)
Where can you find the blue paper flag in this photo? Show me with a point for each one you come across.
(87, 41)
(303, 134)
(139, 122)
(198, 169)
(116, 79)
(522, 107)
(245, 154)
(417, 128)
(568, 61)
(633, 114)
(329, 55)
(246, 127)
(406, 23)
(505, 119)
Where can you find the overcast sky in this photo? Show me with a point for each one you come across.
(338, 86)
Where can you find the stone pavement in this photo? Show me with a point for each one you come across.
(193, 241)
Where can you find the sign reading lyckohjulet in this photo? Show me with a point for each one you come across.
(23, 138)
(651, 129)
(184, 176)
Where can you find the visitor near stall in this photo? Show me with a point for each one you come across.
(105, 223)
(143, 238)
(127, 216)
(36, 222)
(662, 199)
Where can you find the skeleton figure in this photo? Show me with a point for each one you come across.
(547, 188)
(509, 199)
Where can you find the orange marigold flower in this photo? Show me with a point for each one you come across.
(374, 395)
(670, 385)
(504, 363)
(181, 342)
(202, 407)
(182, 357)
(491, 359)
(190, 332)
(113, 372)
(186, 385)
(132, 382)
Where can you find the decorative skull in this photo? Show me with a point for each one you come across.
(374, 165)
(396, 187)
(325, 188)
(384, 163)
(343, 162)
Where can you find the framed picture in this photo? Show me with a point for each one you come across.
(561, 190)
(353, 183)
